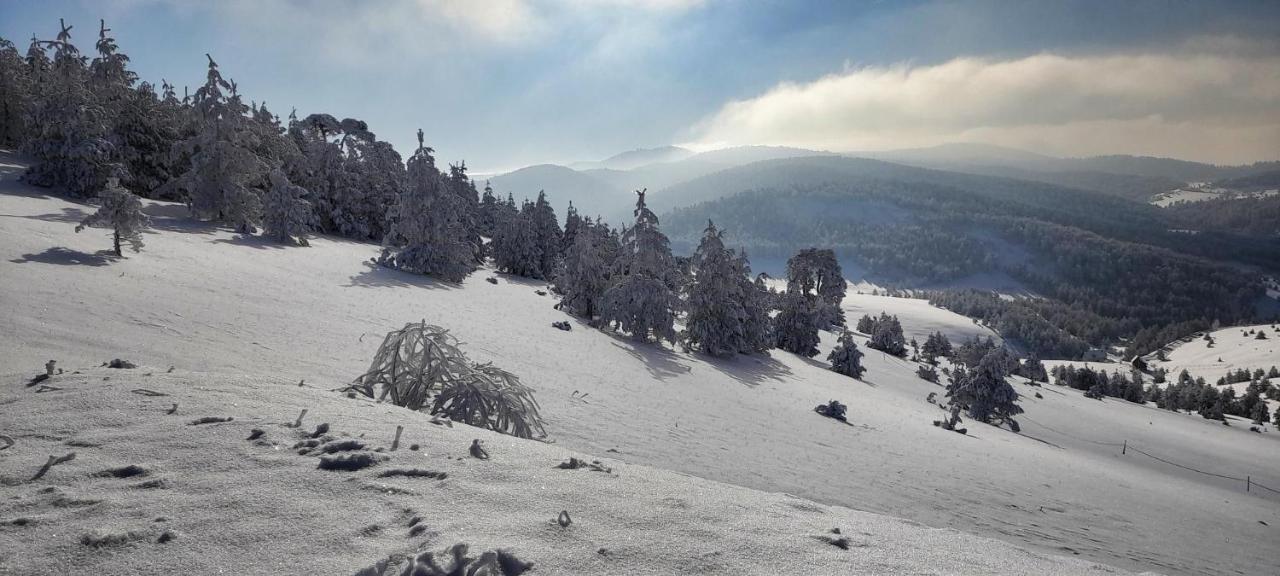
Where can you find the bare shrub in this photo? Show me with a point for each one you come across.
(421, 367)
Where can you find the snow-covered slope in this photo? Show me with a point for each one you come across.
(1232, 350)
(202, 499)
(205, 300)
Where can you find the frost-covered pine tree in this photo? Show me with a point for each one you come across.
(286, 211)
(15, 96)
(572, 225)
(71, 129)
(428, 233)
(121, 212)
(515, 246)
(866, 325)
(983, 392)
(641, 298)
(887, 336)
(547, 235)
(757, 326)
(584, 273)
(219, 184)
(816, 272)
(715, 324)
(795, 328)
(935, 346)
(845, 358)
(488, 221)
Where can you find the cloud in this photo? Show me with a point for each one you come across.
(1221, 106)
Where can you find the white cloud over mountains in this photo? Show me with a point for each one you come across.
(1221, 106)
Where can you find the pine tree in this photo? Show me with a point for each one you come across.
(15, 96)
(219, 185)
(757, 327)
(887, 336)
(1033, 370)
(547, 236)
(935, 346)
(585, 274)
(866, 324)
(845, 358)
(122, 213)
(286, 212)
(716, 321)
(796, 325)
(983, 392)
(816, 272)
(641, 297)
(515, 245)
(572, 225)
(71, 138)
(428, 230)
(488, 221)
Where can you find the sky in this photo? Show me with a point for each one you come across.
(509, 83)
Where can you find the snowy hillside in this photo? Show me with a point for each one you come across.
(226, 309)
(1231, 350)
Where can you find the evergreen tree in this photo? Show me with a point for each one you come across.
(286, 212)
(887, 336)
(935, 346)
(983, 392)
(796, 325)
(547, 236)
(584, 274)
(15, 96)
(641, 297)
(866, 324)
(515, 245)
(428, 226)
(219, 185)
(488, 220)
(717, 317)
(1033, 370)
(122, 213)
(71, 138)
(757, 327)
(816, 272)
(845, 358)
(572, 225)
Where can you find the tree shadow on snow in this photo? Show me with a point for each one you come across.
(376, 276)
(68, 257)
(169, 217)
(68, 215)
(661, 362)
(751, 370)
(258, 242)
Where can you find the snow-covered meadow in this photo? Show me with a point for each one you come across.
(240, 317)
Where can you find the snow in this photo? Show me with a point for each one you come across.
(243, 319)
(919, 318)
(1231, 351)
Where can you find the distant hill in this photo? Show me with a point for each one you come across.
(590, 195)
(1105, 266)
(636, 158)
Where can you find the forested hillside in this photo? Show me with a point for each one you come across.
(1107, 267)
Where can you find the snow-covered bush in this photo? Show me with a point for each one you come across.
(421, 367)
(845, 358)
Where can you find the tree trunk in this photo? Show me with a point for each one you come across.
(115, 237)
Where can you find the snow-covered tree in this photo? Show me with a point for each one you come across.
(887, 336)
(715, 324)
(428, 233)
(983, 392)
(572, 224)
(816, 272)
(795, 328)
(71, 129)
(547, 235)
(845, 358)
(641, 297)
(488, 220)
(15, 96)
(1033, 369)
(515, 245)
(220, 182)
(935, 346)
(286, 211)
(121, 212)
(584, 274)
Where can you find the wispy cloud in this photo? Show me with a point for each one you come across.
(1202, 103)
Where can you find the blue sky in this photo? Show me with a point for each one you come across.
(506, 83)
